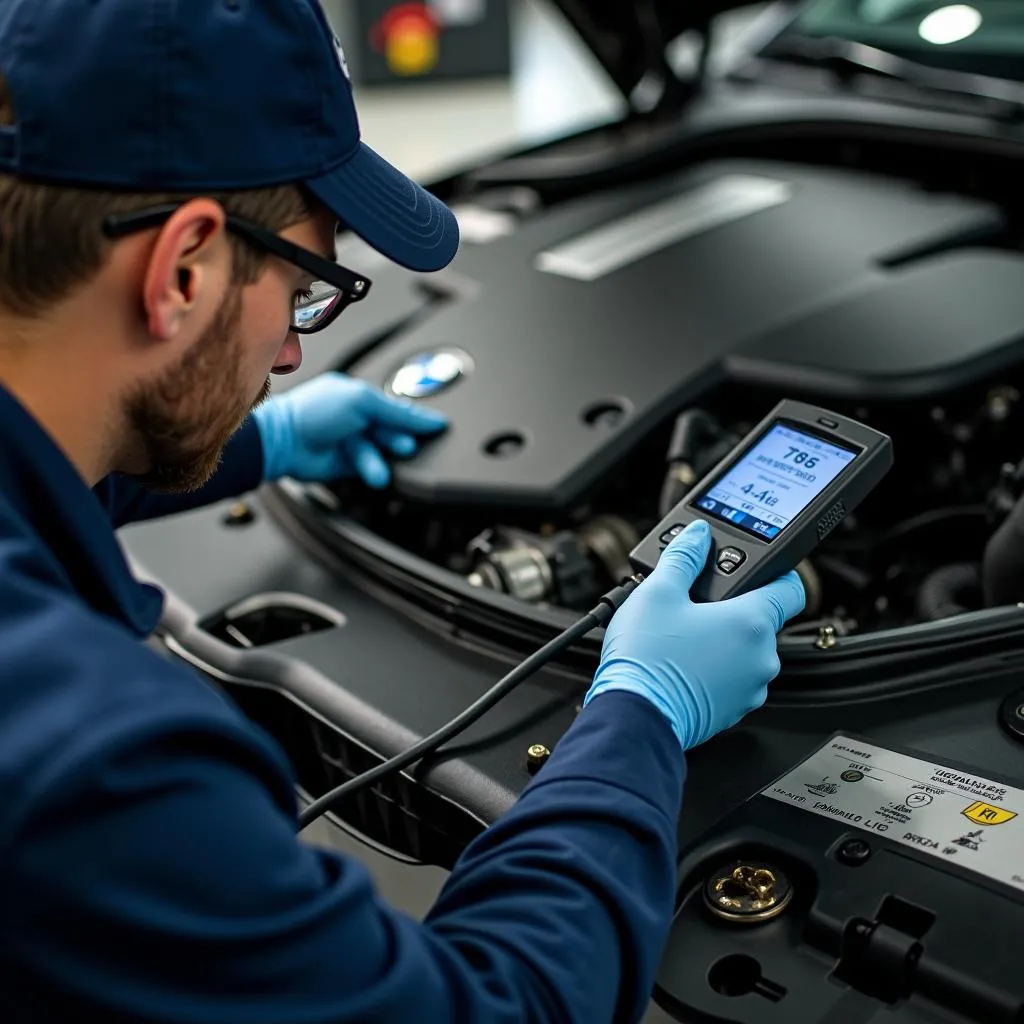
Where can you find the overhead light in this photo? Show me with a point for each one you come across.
(950, 24)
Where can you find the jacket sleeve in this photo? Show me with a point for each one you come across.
(240, 471)
(170, 885)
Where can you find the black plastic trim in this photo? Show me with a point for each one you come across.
(287, 698)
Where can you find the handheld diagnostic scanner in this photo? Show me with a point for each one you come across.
(774, 497)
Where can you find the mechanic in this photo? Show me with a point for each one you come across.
(172, 173)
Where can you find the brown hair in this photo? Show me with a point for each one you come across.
(51, 242)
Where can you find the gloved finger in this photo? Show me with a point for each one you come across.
(368, 462)
(784, 597)
(401, 414)
(758, 697)
(686, 554)
(395, 441)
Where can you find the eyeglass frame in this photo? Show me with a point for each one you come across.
(353, 287)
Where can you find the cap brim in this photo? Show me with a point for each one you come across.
(390, 211)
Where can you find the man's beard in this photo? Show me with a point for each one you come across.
(184, 420)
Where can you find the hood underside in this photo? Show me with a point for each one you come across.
(629, 38)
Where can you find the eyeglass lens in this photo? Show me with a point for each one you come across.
(316, 306)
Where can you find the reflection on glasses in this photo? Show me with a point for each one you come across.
(316, 307)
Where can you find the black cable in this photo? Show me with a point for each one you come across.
(600, 615)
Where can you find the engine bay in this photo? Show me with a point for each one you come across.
(913, 552)
(601, 354)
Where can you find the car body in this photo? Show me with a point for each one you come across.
(832, 214)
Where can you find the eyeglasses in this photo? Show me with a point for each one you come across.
(333, 290)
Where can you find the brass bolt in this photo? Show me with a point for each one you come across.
(239, 514)
(536, 756)
(826, 638)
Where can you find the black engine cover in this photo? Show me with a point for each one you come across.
(810, 281)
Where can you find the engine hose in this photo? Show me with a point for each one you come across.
(693, 429)
(950, 590)
(1002, 572)
(678, 480)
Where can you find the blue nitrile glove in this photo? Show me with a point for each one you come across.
(704, 666)
(335, 426)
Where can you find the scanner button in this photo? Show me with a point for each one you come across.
(670, 534)
(730, 559)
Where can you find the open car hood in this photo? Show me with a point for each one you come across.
(630, 37)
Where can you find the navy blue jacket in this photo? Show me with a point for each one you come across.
(150, 866)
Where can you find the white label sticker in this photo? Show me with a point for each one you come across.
(953, 815)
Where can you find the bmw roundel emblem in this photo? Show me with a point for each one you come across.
(430, 373)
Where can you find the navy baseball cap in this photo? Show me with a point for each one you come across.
(201, 96)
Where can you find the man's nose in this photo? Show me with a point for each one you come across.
(289, 359)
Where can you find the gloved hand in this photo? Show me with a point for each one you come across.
(704, 666)
(335, 426)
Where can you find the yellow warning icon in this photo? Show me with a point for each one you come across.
(985, 814)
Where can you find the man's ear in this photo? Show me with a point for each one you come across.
(189, 271)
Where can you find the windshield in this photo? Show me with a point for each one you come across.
(985, 37)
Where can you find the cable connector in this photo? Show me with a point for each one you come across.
(612, 601)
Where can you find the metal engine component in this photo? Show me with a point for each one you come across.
(571, 567)
(610, 539)
(534, 568)
(520, 571)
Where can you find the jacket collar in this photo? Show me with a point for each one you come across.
(44, 490)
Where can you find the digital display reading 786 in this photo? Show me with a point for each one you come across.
(774, 481)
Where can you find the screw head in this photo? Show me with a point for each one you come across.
(536, 755)
(239, 515)
(854, 852)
